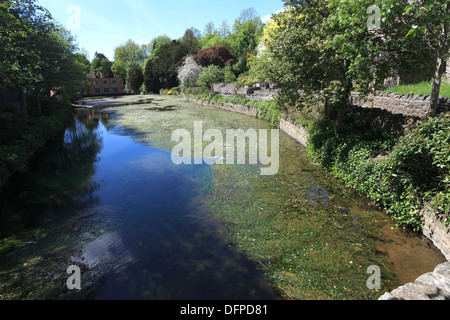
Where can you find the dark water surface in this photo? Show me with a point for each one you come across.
(124, 212)
(115, 205)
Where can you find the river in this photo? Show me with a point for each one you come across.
(106, 196)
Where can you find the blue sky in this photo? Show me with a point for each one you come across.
(102, 25)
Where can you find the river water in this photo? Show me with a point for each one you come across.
(107, 197)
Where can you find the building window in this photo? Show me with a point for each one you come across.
(96, 83)
(106, 90)
(115, 89)
(105, 82)
(97, 90)
(114, 82)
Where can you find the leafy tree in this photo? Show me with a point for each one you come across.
(130, 54)
(157, 43)
(83, 60)
(189, 72)
(219, 56)
(127, 56)
(210, 75)
(247, 33)
(102, 66)
(37, 54)
(119, 69)
(22, 23)
(213, 41)
(162, 70)
(62, 68)
(327, 47)
(151, 80)
(135, 78)
(191, 39)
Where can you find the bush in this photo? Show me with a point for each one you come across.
(229, 74)
(415, 169)
(210, 75)
(15, 152)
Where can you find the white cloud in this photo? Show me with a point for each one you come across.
(269, 16)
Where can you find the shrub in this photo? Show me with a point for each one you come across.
(229, 74)
(415, 169)
(210, 75)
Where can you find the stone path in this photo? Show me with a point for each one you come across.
(430, 286)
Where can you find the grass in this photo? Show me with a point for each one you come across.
(422, 88)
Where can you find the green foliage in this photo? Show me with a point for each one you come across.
(135, 78)
(415, 168)
(15, 152)
(128, 56)
(161, 72)
(210, 75)
(102, 66)
(268, 110)
(229, 75)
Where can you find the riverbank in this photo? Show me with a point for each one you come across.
(16, 152)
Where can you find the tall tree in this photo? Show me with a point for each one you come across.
(329, 47)
(162, 71)
(101, 66)
(22, 25)
(135, 78)
(37, 55)
(246, 36)
(191, 39)
(157, 43)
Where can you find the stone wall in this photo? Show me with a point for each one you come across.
(436, 231)
(260, 91)
(408, 105)
(430, 286)
(253, 112)
(300, 134)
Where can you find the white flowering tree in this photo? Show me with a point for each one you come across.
(189, 72)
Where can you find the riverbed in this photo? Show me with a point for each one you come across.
(106, 196)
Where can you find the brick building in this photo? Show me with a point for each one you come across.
(104, 86)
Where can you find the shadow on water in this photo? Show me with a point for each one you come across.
(132, 221)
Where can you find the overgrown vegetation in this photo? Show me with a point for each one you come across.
(399, 173)
(19, 142)
(269, 110)
(41, 73)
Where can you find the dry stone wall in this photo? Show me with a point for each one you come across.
(408, 105)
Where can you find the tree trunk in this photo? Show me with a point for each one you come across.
(437, 80)
(23, 105)
(39, 105)
(441, 62)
